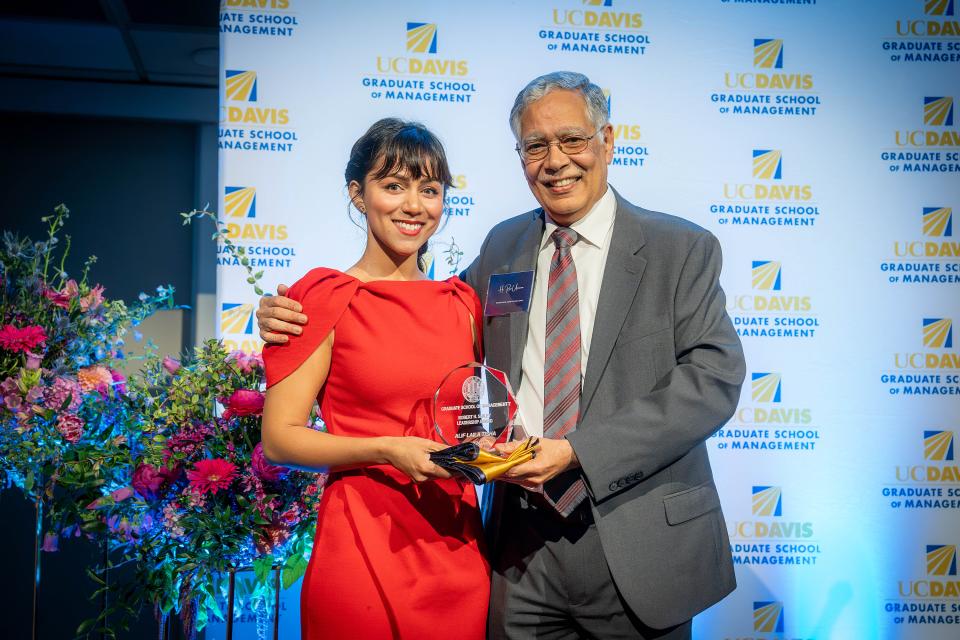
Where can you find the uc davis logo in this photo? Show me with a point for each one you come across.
(241, 85)
(938, 333)
(938, 221)
(938, 445)
(236, 318)
(765, 387)
(767, 501)
(766, 275)
(768, 53)
(604, 3)
(768, 616)
(938, 111)
(942, 559)
(767, 164)
(421, 37)
(240, 202)
(938, 7)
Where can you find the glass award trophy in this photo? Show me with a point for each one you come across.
(474, 409)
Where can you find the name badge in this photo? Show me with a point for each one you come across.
(508, 293)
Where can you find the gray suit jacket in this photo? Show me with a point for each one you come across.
(664, 372)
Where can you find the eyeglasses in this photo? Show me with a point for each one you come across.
(538, 149)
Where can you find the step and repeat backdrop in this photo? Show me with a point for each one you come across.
(818, 140)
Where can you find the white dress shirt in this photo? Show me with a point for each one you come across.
(590, 257)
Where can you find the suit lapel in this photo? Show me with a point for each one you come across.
(621, 278)
(524, 260)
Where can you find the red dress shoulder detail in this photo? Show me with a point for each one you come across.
(324, 294)
(471, 301)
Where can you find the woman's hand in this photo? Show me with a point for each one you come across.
(411, 455)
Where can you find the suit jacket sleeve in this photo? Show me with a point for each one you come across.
(643, 435)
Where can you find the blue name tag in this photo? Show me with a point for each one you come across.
(508, 293)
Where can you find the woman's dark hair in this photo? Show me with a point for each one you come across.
(392, 145)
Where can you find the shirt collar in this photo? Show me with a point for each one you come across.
(594, 227)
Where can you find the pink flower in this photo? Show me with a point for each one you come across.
(33, 361)
(70, 427)
(62, 391)
(94, 379)
(262, 468)
(71, 289)
(121, 494)
(211, 475)
(147, 480)
(244, 402)
(119, 381)
(35, 394)
(291, 516)
(93, 299)
(61, 300)
(50, 541)
(247, 362)
(21, 340)
(172, 365)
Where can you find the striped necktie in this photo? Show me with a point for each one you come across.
(561, 366)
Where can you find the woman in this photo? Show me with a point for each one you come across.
(397, 549)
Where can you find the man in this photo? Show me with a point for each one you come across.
(626, 362)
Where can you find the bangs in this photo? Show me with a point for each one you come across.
(413, 152)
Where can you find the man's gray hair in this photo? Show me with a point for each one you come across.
(597, 110)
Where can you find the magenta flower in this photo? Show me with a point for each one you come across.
(59, 299)
(172, 365)
(211, 475)
(70, 427)
(147, 480)
(119, 381)
(243, 402)
(263, 469)
(22, 340)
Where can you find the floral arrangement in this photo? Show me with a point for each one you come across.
(166, 468)
(63, 419)
(202, 499)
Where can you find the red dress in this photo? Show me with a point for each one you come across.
(391, 558)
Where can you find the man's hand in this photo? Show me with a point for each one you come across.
(552, 457)
(279, 316)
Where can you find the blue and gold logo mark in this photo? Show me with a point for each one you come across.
(767, 164)
(421, 37)
(241, 85)
(938, 111)
(938, 445)
(938, 7)
(938, 221)
(766, 275)
(236, 317)
(767, 501)
(605, 3)
(768, 53)
(942, 559)
(240, 202)
(938, 333)
(768, 616)
(765, 387)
